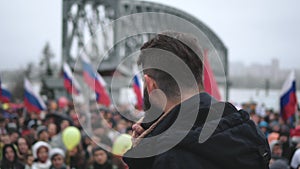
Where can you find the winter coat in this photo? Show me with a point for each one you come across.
(63, 167)
(236, 143)
(104, 166)
(15, 165)
(39, 165)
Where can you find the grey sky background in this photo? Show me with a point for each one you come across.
(254, 31)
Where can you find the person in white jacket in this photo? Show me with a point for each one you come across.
(40, 151)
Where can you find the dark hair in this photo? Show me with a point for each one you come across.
(5, 162)
(54, 155)
(183, 46)
(78, 160)
(2, 119)
(12, 131)
(108, 160)
(99, 149)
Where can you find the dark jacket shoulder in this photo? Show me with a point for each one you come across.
(220, 137)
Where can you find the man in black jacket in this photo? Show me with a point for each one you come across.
(184, 127)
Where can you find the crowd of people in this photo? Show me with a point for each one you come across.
(34, 141)
(283, 137)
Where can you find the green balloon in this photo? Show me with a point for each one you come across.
(122, 144)
(71, 137)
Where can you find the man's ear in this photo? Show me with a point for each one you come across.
(150, 83)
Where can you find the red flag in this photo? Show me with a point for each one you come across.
(210, 84)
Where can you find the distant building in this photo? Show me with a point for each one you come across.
(258, 75)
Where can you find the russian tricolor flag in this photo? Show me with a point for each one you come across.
(137, 87)
(95, 81)
(70, 82)
(288, 97)
(32, 100)
(5, 95)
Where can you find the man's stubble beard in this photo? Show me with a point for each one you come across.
(152, 111)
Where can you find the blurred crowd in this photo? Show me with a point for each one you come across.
(283, 137)
(34, 141)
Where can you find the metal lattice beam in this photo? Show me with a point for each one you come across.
(82, 18)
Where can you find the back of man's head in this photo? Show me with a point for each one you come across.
(179, 46)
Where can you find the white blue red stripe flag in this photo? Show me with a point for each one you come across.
(137, 88)
(288, 98)
(70, 83)
(95, 82)
(32, 100)
(5, 95)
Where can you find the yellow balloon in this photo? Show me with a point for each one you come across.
(71, 137)
(122, 144)
(5, 106)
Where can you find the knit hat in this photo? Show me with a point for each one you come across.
(37, 146)
(273, 143)
(56, 151)
(263, 124)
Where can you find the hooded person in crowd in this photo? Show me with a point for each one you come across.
(101, 159)
(10, 158)
(180, 136)
(57, 157)
(40, 151)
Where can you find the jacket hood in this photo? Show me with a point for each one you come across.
(37, 146)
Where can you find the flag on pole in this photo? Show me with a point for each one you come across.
(288, 97)
(5, 95)
(95, 82)
(137, 87)
(32, 100)
(210, 83)
(70, 82)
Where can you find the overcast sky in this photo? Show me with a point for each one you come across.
(253, 30)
